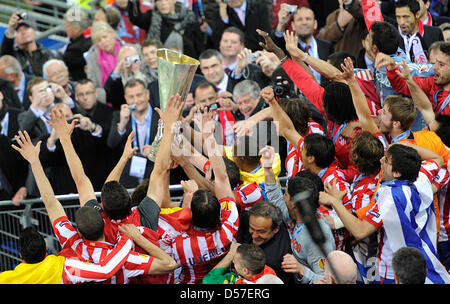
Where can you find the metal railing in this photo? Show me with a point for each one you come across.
(32, 212)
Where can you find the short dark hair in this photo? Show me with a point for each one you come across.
(410, 266)
(234, 175)
(205, 209)
(235, 30)
(405, 160)
(30, 84)
(133, 82)
(32, 245)
(152, 42)
(385, 37)
(203, 85)
(298, 184)
(321, 147)
(443, 130)
(366, 152)
(312, 177)
(89, 223)
(209, 53)
(337, 58)
(413, 5)
(116, 200)
(338, 103)
(139, 193)
(269, 210)
(445, 48)
(252, 257)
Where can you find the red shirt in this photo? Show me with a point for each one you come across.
(433, 91)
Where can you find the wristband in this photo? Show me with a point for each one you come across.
(207, 163)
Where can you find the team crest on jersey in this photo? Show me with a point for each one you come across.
(321, 263)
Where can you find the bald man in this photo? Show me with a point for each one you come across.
(343, 265)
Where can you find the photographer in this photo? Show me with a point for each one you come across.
(128, 67)
(206, 95)
(258, 66)
(31, 55)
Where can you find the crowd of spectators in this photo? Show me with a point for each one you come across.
(348, 100)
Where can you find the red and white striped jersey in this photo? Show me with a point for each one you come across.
(362, 190)
(329, 174)
(198, 250)
(132, 263)
(247, 195)
(441, 181)
(294, 163)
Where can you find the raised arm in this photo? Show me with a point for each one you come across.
(418, 96)
(359, 99)
(127, 153)
(64, 130)
(158, 181)
(222, 186)
(324, 68)
(31, 154)
(285, 126)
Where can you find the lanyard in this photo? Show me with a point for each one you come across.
(322, 172)
(401, 136)
(336, 134)
(444, 104)
(356, 181)
(149, 123)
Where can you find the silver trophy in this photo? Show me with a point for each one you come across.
(175, 74)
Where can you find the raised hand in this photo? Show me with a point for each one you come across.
(269, 45)
(128, 150)
(268, 154)
(382, 60)
(291, 40)
(172, 111)
(347, 68)
(267, 94)
(59, 123)
(26, 148)
(404, 73)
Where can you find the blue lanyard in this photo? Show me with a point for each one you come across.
(322, 172)
(149, 123)
(401, 136)
(356, 181)
(446, 101)
(336, 134)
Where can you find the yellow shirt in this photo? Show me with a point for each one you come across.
(49, 271)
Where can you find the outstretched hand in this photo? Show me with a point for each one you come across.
(269, 45)
(26, 148)
(404, 73)
(172, 111)
(128, 150)
(268, 154)
(59, 123)
(291, 40)
(347, 70)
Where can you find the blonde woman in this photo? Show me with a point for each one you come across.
(102, 57)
